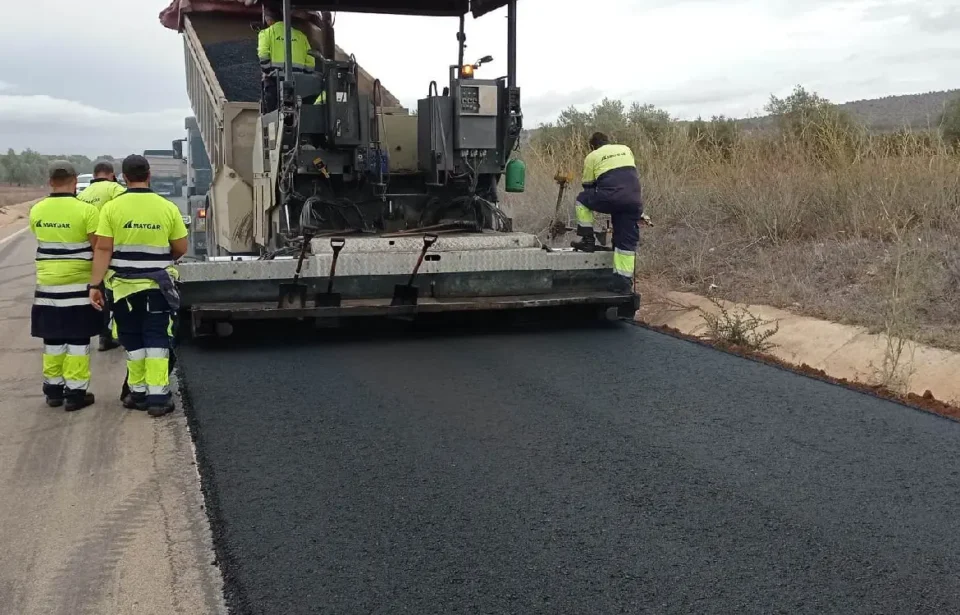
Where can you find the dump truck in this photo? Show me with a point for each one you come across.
(199, 177)
(342, 203)
(167, 171)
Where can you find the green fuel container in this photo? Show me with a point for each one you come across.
(516, 176)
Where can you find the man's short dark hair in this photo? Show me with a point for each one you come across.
(598, 140)
(136, 168)
(104, 167)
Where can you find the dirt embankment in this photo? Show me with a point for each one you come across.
(15, 204)
(14, 195)
(850, 356)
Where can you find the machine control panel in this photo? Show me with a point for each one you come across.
(478, 100)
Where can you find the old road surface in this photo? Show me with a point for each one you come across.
(596, 470)
(100, 510)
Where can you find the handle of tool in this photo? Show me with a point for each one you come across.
(303, 253)
(416, 268)
(428, 240)
(333, 267)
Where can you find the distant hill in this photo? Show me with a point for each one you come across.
(918, 111)
(886, 114)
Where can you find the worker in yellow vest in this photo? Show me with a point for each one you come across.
(139, 237)
(611, 185)
(62, 316)
(103, 189)
(272, 52)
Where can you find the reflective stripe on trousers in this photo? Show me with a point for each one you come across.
(148, 371)
(157, 368)
(63, 295)
(136, 370)
(76, 367)
(53, 364)
(584, 217)
(624, 262)
(67, 365)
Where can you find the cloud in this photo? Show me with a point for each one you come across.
(56, 125)
(550, 104)
(693, 57)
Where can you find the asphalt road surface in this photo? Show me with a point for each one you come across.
(601, 470)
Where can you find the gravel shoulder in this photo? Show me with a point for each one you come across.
(100, 510)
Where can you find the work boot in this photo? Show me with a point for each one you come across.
(135, 401)
(620, 284)
(107, 343)
(158, 410)
(78, 401)
(587, 243)
(53, 394)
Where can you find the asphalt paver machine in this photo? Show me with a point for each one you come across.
(351, 206)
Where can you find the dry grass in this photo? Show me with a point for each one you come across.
(14, 195)
(738, 327)
(835, 223)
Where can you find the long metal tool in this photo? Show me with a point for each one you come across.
(287, 41)
(294, 294)
(330, 298)
(558, 228)
(407, 294)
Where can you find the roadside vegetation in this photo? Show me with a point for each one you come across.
(815, 213)
(29, 168)
(14, 195)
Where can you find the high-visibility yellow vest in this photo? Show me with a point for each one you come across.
(62, 225)
(100, 192)
(271, 49)
(142, 225)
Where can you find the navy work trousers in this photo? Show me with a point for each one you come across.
(144, 327)
(624, 216)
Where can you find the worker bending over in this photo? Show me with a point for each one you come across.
(271, 49)
(139, 237)
(611, 185)
(62, 316)
(103, 189)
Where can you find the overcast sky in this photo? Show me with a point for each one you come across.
(71, 85)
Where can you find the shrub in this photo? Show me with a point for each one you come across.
(950, 124)
(718, 137)
(825, 133)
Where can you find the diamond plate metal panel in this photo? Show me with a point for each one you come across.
(414, 243)
(359, 264)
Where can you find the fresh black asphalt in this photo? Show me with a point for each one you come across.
(237, 68)
(597, 470)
